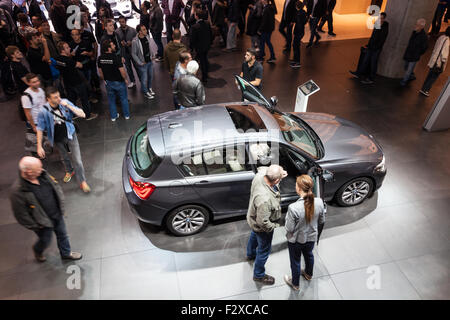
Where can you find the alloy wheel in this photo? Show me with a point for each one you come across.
(188, 221)
(355, 192)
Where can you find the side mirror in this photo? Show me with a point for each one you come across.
(274, 101)
(328, 176)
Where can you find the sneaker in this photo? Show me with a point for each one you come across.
(68, 176)
(367, 81)
(114, 119)
(151, 92)
(295, 65)
(288, 281)
(271, 60)
(332, 34)
(425, 93)
(306, 276)
(85, 187)
(93, 100)
(148, 95)
(92, 116)
(269, 280)
(73, 256)
(131, 85)
(353, 73)
(39, 257)
(127, 118)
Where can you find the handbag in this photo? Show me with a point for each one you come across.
(435, 68)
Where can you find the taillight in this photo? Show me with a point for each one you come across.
(142, 189)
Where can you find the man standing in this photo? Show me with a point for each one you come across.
(286, 23)
(38, 57)
(316, 10)
(328, 17)
(142, 55)
(266, 28)
(32, 100)
(109, 34)
(56, 119)
(173, 9)
(19, 71)
(126, 34)
(299, 31)
(156, 27)
(172, 51)
(188, 88)
(417, 45)
(38, 204)
(264, 211)
(252, 70)
(234, 16)
(373, 49)
(52, 39)
(200, 40)
(58, 16)
(74, 81)
(180, 69)
(112, 71)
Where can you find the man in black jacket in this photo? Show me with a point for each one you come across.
(234, 16)
(328, 17)
(286, 23)
(38, 204)
(316, 9)
(266, 28)
(417, 45)
(299, 31)
(373, 49)
(200, 40)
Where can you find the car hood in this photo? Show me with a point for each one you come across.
(343, 140)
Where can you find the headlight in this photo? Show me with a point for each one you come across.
(381, 167)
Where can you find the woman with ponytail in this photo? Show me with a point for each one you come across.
(302, 220)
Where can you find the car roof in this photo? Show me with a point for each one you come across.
(211, 125)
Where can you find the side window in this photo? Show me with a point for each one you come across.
(193, 166)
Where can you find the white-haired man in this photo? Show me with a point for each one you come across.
(188, 88)
(264, 211)
(38, 204)
(417, 45)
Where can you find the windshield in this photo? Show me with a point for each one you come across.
(296, 134)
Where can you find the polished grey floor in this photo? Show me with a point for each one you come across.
(402, 232)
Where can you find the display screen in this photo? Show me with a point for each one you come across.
(309, 88)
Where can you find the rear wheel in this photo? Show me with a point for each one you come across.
(187, 220)
(354, 192)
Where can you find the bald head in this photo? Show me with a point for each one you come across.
(420, 24)
(30, 167)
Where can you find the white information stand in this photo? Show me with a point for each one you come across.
(303, 92)
(439, 116)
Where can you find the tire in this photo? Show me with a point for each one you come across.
(177, 225)
(346, 197)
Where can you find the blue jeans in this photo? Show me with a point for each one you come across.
(259, 246)
(295, 252)
(265, 38)
(117, 89)
(45, 238)
(72, 162)
(409, 72)
(145, 76)
(430, 79)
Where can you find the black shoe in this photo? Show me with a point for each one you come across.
(320, 30)
(295, 65)
(271, 60)
(265, 280)
(425, 93)
(286, 50)
(332, 34)
(317, 40)
(367, 81)
(309, 45)
(354, 73)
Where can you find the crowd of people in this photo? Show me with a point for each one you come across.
(54, 71)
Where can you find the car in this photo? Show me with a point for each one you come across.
(119, 7)
(175, 177)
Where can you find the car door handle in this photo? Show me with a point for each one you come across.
(202, 182)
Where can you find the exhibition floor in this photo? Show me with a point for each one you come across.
(403, 229)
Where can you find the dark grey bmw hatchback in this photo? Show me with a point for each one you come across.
(183, 168)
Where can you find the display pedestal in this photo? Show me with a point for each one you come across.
(439, 116)
(303, 93)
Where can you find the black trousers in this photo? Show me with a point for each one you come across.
(170, 26)
(285, 29)
(202, 58)
(430, 79)
(80, 91)
(329, 19)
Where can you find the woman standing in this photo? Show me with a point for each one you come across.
(302, 221)
(438, 61)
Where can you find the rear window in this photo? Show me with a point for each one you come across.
(144, 159)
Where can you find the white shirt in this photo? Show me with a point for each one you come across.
(38, 101)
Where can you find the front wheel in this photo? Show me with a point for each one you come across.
(187, 220)
(354, 192)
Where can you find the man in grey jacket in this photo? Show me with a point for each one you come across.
(125, 34)
(264, 211)
(188, 88)
(38, 204)
(142, 55)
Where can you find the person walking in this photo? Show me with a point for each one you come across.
(302, 221)
(264, 212)
(316, 10)
(266, 28)
(156, 28)
(188, 88)
(252, 70)
(142, 55)
(112, 71)
(201, 38)
(172, 51)
(56, 118)
(417, 45)
(286, 23)
(300, 20)
(328, 18)
(438, 62)
(32, 100)
(369, 64)
(173, 9)
(37, 202)
(253, 22)
(233, 18)
(218, 19)
(125, 35)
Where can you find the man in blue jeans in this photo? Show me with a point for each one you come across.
(142, 55)
(264, 211)
(110, 69)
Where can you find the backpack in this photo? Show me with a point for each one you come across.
(21, 111)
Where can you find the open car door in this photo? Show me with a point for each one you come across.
(250, 93)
